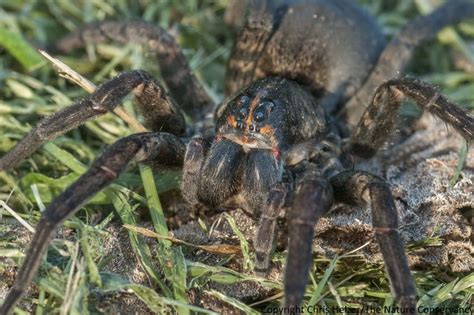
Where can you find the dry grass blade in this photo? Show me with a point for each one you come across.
(213, 249)
(66, 72)
(16, 216)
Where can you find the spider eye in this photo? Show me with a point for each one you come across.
(244, 100)
(242, 114)
(260, 114)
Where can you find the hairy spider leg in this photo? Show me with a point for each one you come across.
(175, 70)
(351, 187)
(151, 98)
(399, 51)
(161, 148)
(313, 197)
(379, 118)
(253, 37)
(266, 229)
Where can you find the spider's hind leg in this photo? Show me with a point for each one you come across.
(161, 148)
(158, 108)
(352, 187)
(249, 43)
(379, 119)
(175, 70)
(396, 55)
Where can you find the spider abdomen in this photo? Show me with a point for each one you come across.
(328, 46)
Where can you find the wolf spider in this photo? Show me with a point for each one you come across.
(280, 138)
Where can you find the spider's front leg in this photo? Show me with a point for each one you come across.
(160, 111)
(161, 148)
(355, 187)
(379, 119)
(312, 198)
(266, 229)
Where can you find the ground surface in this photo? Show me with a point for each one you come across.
(100, 265)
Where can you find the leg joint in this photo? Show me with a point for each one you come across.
(432, 101)
(385, 230)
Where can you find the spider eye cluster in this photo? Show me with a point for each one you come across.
(250, 114)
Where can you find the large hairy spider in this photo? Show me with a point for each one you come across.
(299, 73)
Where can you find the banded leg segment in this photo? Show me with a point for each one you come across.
(380, 117)
(162, 148)
(160, 111)
(182, 84)
(266, 229)
(351, 187)
(249, 45)
(153, 99)
(193, 160)
(313, 198)
(399, 51)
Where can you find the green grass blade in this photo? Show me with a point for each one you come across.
(171, 260)
(461, 161)
(20, 49)
(142, 251)
(65, 157)
(225, 275)
(322, 283)
(178, 279)
(153, 201)
(244, 245)
(158, 304)
(234, 302)
(90, 263)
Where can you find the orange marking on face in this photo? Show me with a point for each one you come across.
(269, 131)
(252, 106)
(256, 100)
(232, 121)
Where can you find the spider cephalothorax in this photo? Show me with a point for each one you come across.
(279, 141)
(252, 130)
